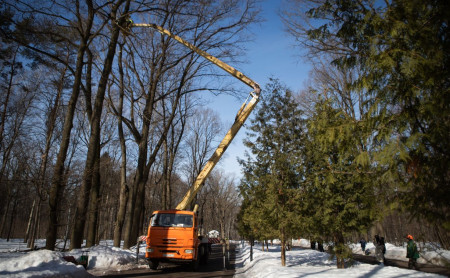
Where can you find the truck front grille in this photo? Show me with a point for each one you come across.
(169, 251)
(169, 241)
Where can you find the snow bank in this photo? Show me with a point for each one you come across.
(310, 263)
(103, 259)
(42, 263)
(106, 257)
(45, 263)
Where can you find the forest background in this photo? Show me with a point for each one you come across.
(102, 123)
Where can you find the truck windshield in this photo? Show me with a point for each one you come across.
(171, 220)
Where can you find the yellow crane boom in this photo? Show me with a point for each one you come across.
(241, 116)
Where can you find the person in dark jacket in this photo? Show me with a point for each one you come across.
(313, 245)
(411, 252)
(320, 246)
(363, 244)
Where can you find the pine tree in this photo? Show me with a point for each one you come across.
(271, 183)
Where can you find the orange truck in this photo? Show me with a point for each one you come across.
(173, 235)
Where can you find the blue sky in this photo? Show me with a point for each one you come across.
(270, 54)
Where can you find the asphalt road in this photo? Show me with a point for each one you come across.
(214, 268)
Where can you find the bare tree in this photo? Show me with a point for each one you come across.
(204, 127)
(118, 22)
(296, 18)
(170, 153)
(217, 29)
(62, 34)
(7, 86)
(53, 107)
(35, 13)
(221, 201)
(15, 126)
(124, 190)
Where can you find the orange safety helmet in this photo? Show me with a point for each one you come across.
(409, 237)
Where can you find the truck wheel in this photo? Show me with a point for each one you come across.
(205, 255)
(153, 264)
(195, 262)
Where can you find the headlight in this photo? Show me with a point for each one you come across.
(188, 251)
(149, 250)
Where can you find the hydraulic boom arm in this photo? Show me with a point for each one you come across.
(241, 116)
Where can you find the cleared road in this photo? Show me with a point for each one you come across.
(214, 268)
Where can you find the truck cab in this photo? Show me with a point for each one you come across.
(173, 237)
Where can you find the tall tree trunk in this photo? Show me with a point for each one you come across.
(170, 151)
(36, 225)
(137, 214)
(138, 209)
(30, 221)
(11, 222)
(165, 182)
(6, 211)
(283, 247)
(138, 185)
(66, 234)
(50, 126)
(2, 128)
(123, 197)
(94, 139)
(93, 204)
(339, 245)
(6, 101)
(128, 234)
(252, 242)
(58, 175)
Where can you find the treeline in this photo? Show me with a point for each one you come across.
(364, 149)
(101, 122)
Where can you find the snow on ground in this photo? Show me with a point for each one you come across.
(18, 262)
(41, 263)
(430, 256)
(312, 263)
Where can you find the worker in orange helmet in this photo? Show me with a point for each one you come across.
(411, 252)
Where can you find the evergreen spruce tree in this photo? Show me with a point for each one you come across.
(339, 183)
(402, 48)
(271, 184)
